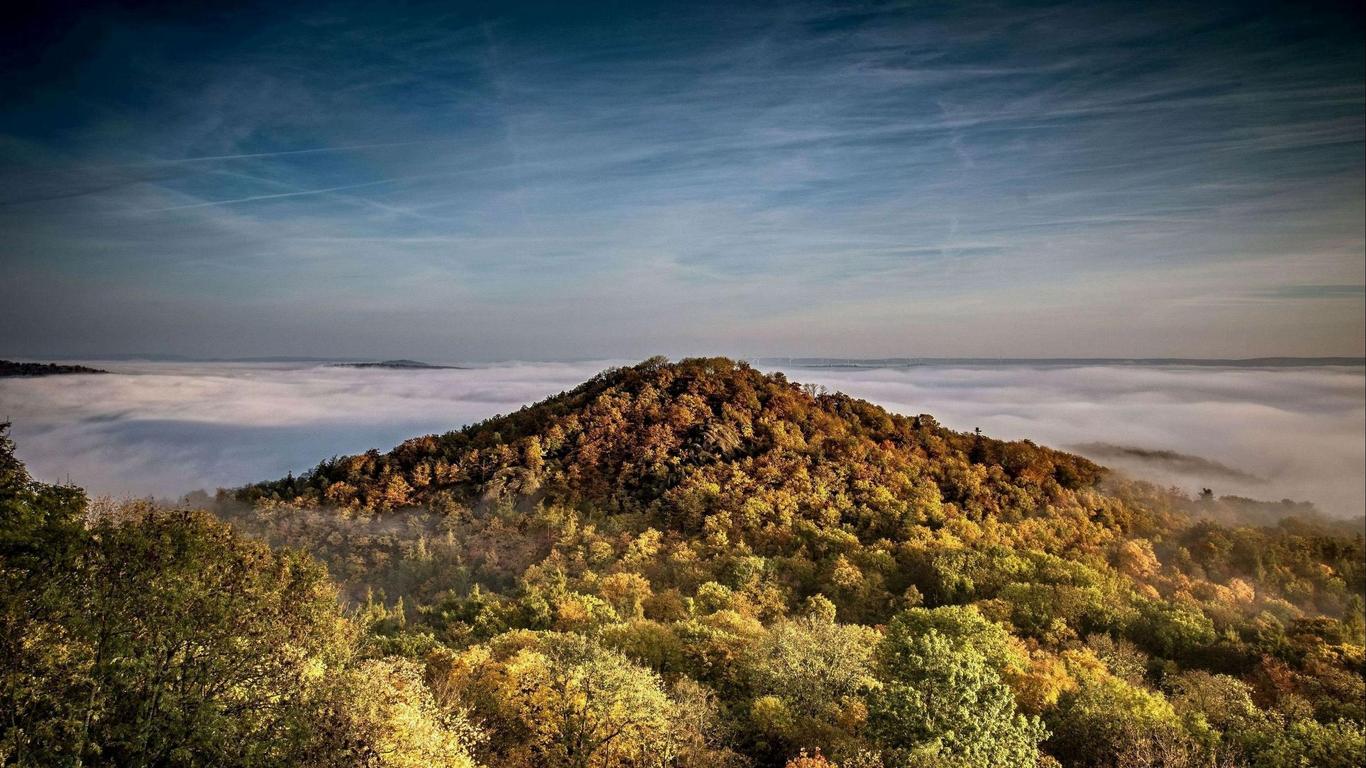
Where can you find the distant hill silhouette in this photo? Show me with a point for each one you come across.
(9, 368)
(400, 364)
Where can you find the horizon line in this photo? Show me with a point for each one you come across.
(808, 361)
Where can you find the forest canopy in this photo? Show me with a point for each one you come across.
(681, 564)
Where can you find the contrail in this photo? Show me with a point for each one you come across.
(300, 193)
(325, 190)
(313, 151)
(238, 156)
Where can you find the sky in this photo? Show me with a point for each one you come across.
(569, 181)
(166, 429)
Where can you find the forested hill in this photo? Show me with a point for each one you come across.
(821, 573)
(683, 441)
(690, 565)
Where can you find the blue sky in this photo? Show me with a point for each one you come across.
(936, 179)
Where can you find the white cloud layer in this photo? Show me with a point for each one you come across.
(165, 429)
(1298, 430)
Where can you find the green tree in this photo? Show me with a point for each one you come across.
(164, 638)
(812, 663)
(381, 714)
(810, 674)
(585, 706)
(1108, 722)
(1341, 744)
(943, 703)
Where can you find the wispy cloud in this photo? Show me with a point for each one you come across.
(1317, 292)
(891, 174)
(279, 195)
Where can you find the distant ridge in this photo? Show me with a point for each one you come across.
(400, 365)
(355, 362)
(912, 362)
(803, 362)
(11, 369)
(157, 357)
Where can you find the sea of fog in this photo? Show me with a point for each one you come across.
(165, 429)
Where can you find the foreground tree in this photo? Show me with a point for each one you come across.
(1106, 721)
(810, 674)
(943, 703)
(164, 638)
(588, 707)
(381, 713)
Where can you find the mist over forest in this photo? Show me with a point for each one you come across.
(682, 564)
(812, 384)
(165, 429)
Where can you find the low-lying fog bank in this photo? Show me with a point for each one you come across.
(1266, 433)
(168, 428)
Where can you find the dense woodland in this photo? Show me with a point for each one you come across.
(682, 565)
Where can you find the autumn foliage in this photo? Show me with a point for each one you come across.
(697, 564)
